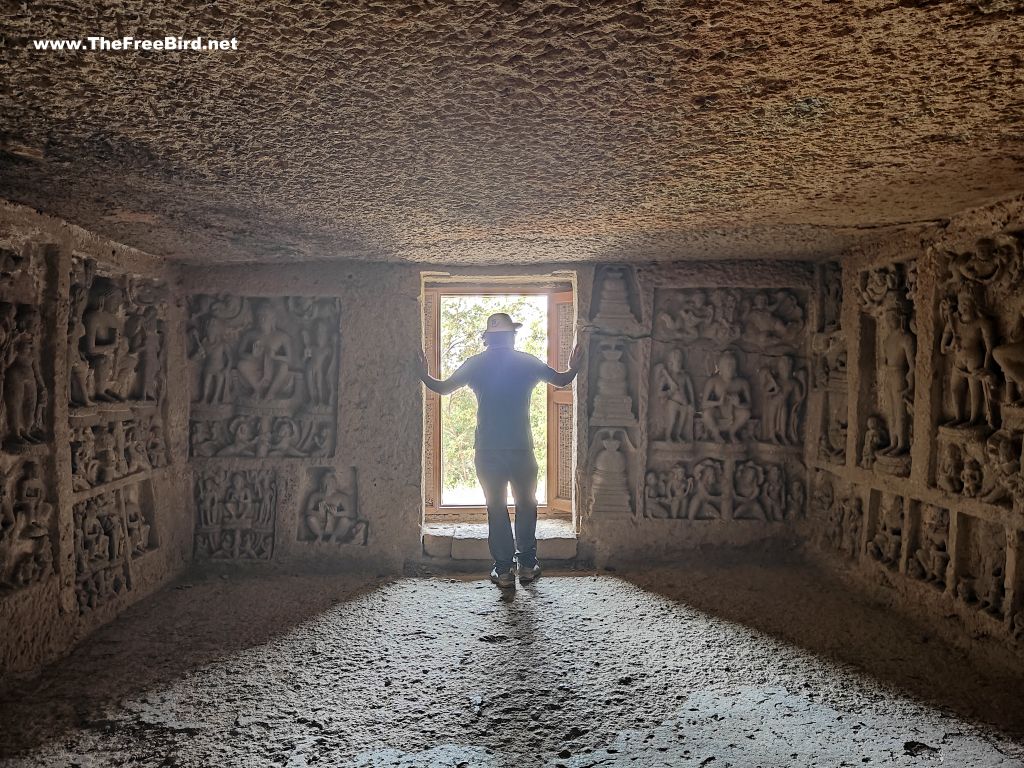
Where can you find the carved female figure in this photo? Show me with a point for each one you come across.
(898, 352)
(654, 496)
(318, 357)
(725, 401)
(680, 486)
(215, 353)
(784, 393)
(675, 393)
(264, 357)
(23, 384)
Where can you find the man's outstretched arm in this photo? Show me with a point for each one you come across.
(442, 386)
(565, 378)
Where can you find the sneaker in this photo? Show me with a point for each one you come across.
(528, 574)
(505, 579)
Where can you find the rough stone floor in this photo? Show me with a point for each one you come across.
(726, 665)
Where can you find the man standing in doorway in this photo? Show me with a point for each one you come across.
(503, 379)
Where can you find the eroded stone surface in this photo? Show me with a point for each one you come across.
(746, 664)
(514, 131)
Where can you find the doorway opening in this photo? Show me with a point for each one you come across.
(455, 314)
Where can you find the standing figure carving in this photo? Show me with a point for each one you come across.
(784, 392)
(318, 355)
(24, 390)
(967, 335)
(1010, 358)
(898, 353)
(676, 397)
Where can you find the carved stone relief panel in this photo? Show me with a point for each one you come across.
(109, 445)
(101, 551)
(838, 511)
(330, 512)
(264, 376)
(616, 299)
(928, 549)
(885, 542)
(236, 514)
(611, 459)
(116, 332)
(889, 328)
(715, 489)
(981, 321)
(27, 525)
(614, 370)
(981, 567)
(727, 367)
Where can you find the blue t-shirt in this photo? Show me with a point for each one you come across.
(503, 380)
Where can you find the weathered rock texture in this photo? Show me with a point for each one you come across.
(526, 131)
(92, 515)
(734, 664)
(917, 420)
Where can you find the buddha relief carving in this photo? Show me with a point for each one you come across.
(331, 512)
(264, 376)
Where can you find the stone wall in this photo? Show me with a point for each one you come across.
(92, 459)
(917, 419)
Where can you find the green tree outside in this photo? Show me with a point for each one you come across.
(463, 318)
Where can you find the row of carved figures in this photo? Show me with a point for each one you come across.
(995, 478)
(759, 492)
(263, 350)
(758, 319)
(727, 408)
(109, 451)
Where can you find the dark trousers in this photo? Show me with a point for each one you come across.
(497, 469)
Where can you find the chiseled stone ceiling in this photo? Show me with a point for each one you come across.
(549, 130)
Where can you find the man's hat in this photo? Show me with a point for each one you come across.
(500, 322)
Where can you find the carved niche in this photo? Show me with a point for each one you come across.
(101, 551)
(886, 540)
(929, 547)
(981, 570)
(264, 376)
(27, 522)
(236, 513)
(887, 312)
(981, 318)
(838, 513)
(330, 512)
(116, 331)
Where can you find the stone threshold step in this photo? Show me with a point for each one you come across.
(556, 540)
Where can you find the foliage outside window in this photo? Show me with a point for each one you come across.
(462, 320)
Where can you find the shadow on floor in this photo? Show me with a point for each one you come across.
(795, 602)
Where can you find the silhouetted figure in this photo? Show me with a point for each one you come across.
(503, 379)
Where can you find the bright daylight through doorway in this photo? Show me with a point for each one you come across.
(461, 319)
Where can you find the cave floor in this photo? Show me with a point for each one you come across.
(733, 664)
